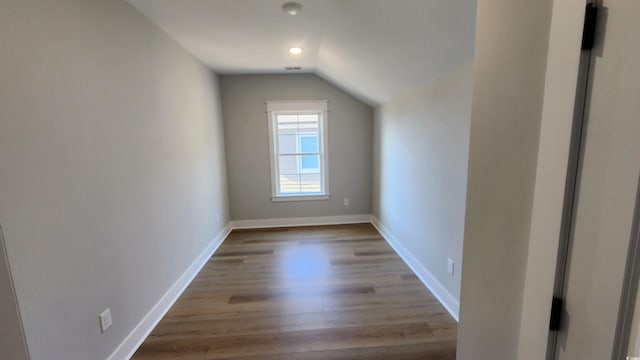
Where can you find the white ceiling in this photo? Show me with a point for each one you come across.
(374, 49)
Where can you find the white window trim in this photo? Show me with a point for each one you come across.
(279, 107)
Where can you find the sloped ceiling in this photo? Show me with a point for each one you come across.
(374, 49)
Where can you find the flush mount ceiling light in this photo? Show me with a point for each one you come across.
(292, 8)
(295, 50)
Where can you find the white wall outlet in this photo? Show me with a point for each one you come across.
(346, 201)
(105, 320)
(450, 266)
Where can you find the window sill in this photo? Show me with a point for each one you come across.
(283, 198)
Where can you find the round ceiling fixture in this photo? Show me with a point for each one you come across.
(295, 50)
(292, 8)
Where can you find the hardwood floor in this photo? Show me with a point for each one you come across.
(305, 293)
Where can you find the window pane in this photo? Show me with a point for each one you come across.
(310, 183)
(287, 119)
(309, 123)
(288, 129)
(287, 144)
(289, 184)
(310, 164)
(309, 144)
(308, 118)
(289, 165)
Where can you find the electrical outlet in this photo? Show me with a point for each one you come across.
(346, 201)
(450, 266)
(105, 320)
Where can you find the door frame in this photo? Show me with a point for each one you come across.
(629, 287)
(572, 181)
(631, 280)
(15, 315)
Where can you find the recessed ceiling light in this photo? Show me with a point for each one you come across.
(292, 8)
(295, 50)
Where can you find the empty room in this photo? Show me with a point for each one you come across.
(319, 179)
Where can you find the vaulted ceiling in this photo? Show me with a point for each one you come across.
(374, 49)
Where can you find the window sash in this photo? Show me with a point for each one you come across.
(298, 134)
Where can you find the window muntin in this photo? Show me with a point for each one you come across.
(298, 150)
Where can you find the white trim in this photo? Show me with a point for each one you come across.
(283, 198)
(272, 154)
(300, 221)
(431, 282)
(324, 157)
(297, 105)
(130, 344)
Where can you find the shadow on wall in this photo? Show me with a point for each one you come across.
(12, 342)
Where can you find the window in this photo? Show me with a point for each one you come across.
(297, 130)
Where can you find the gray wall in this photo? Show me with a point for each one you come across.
(510, 60)
(112, 168)
(247, 147)
(421, 143)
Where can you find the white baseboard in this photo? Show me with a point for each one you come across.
(439, 291)
(130, 344)
(300, 221)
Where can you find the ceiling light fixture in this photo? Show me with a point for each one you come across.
(295, 50)
(292, 8)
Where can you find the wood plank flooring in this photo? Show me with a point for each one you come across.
(304, 293)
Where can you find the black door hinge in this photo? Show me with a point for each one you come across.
(556, 314)
(589, 29)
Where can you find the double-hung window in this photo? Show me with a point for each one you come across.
(298, 147)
